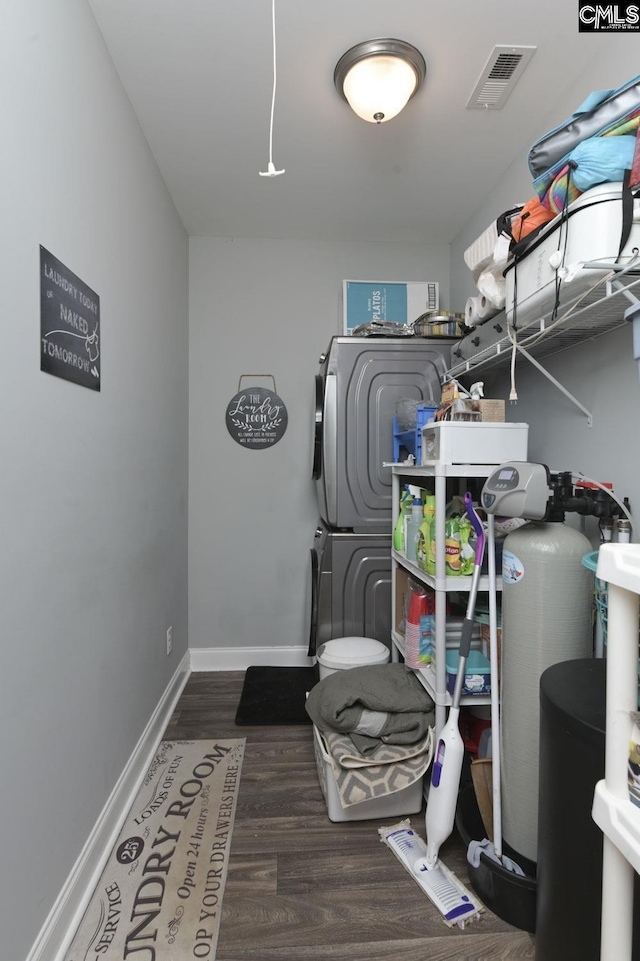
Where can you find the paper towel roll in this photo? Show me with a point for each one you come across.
(492, 285)
(477, 310)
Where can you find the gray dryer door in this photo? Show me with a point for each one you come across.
(357, 392)
(352, 587)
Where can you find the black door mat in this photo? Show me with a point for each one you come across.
(275, 695)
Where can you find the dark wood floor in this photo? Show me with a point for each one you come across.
(302, 887)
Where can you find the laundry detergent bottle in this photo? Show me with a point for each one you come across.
(406, 502)
(412, 526)
(452, 539)
(424, 531)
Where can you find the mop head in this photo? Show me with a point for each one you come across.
(454, 902)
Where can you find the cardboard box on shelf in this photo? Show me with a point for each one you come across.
(492, 411)
(400, 302)
(450, 392)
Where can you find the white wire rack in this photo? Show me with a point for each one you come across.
(583, 318)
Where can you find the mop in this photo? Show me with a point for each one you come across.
(456, 904)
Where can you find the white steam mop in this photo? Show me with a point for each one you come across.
(456, 904)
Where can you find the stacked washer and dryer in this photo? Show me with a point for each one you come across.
(358, 387)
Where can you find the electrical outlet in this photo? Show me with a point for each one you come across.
(169, 640)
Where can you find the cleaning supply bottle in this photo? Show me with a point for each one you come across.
(424, 531)
(452, 546)
(412, 526)
(406, 501)
(430, 564)
(467, 551)
(452, 540)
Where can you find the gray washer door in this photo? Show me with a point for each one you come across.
(369, 378)
(352, 592)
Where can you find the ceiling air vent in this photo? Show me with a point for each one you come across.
(501, 73)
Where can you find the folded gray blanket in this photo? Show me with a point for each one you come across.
(379, 703)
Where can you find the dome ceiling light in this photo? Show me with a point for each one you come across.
(377, 78)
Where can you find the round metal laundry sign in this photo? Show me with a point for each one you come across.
(256, 418)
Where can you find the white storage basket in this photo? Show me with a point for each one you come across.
(401, 803)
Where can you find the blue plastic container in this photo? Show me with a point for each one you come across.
(477, 672)
(411, 440)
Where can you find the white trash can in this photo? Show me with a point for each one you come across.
(343, 653)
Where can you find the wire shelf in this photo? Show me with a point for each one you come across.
(597, 313)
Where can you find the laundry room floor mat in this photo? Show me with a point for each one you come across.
(275, 695)
(160, 893)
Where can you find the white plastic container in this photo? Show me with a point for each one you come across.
(479, 255)
(401, 803)
(343, 653)
(590, 233)
(459, 442)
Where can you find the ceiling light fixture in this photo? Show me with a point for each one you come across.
(378, 77)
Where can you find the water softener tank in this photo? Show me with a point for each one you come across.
(546, 618)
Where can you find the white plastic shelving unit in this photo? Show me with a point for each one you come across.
(613, 811)
(435, 477)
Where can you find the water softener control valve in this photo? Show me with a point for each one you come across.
(518, 489)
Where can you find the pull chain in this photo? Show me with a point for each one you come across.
(271, 170)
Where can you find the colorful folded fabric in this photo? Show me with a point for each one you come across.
(621, 127)
(533, 215)
(561, 192)
(595, 160)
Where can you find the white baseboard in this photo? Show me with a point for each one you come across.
(66, 914)
(240, 658)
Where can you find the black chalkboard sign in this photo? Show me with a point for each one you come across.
(69, 324)
(256, 418)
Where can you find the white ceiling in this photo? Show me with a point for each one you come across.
(199, 76)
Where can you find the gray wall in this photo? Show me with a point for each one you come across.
(601, 374)
(265, 306)
(93, 485)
